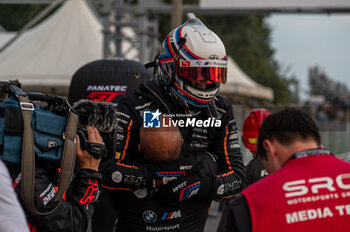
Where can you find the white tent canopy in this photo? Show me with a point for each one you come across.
(238, 83)
(5, 36)
(45, 57)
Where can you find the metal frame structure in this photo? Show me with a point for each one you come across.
(118, 14)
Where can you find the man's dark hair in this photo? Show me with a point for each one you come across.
(287, 126)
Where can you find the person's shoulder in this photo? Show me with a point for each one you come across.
(133, 99)
(3, 169)
(345, 162)
(338, 162)
(236, 200)
(255, 164)
(4, 173)
(264, 183)
(222, 103)
(238, 215)
(222, 100)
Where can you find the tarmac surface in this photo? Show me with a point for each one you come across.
(212, 223)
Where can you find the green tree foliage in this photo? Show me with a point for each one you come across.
(247, 40)
(14, 16)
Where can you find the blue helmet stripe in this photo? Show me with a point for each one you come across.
(165, 56)
(166, 53)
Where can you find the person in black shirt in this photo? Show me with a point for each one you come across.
(76, 210)
(187, 78)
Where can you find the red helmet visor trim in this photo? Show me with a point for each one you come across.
(203, 71)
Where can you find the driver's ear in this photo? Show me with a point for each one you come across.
(269, 147)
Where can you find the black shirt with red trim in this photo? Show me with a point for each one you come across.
(221, 141)
(127, 171)
(76, 209)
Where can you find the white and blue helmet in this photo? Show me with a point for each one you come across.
(193, 63)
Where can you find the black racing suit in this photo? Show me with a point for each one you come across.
(126, 172)
(255, 170)
(74, 212)
(138, 211)
(236, 217)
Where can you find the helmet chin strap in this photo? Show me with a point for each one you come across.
(173, 75)
(153, 63)
(181, 43)
(212, 110)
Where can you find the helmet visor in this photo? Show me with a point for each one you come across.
(203, 71)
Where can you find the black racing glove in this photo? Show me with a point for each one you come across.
(138, 175)
(201, 183)
(161, 174)
(97, 150)
(178, 190)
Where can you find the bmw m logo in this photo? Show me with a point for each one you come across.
(149, 216)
